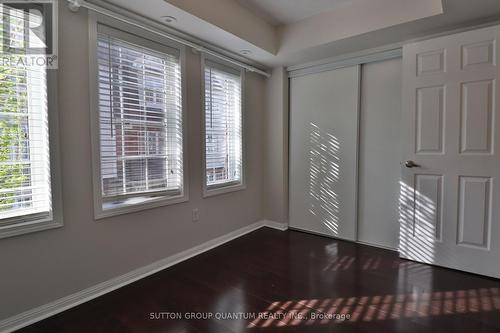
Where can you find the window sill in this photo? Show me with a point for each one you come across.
(136, 204)
(28, 227)
(210, 192)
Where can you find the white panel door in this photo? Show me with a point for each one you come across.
(450, 199)
(323, 152)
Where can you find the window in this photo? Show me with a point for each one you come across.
(223, 128)
(25, 168)
(139, 123)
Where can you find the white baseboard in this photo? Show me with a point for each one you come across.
(385, 247)
(44, 311)
(275, 225)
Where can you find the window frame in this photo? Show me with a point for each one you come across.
(228, 186)
(29, 223)
(152, 41)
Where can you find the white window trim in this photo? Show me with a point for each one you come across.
(24, 224)
(99, 213)
(230, 186)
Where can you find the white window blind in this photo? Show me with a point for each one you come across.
(223, 126)
(25, 186)
(140, 120)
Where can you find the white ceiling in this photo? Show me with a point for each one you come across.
(352, 26)
(279, 12)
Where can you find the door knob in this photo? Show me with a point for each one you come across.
(411, 164)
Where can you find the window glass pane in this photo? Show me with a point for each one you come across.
(140, 119)
(223, 126)
(24, 145)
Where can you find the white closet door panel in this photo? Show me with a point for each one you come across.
(323, 152)
(380, 146)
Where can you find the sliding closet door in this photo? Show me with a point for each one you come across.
(323, 152)
(380, 153)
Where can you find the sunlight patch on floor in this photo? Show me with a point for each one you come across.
(380, 307)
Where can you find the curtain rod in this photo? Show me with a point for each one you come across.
(74, 5)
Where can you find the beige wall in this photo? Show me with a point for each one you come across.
(41, 267)
(276, 147)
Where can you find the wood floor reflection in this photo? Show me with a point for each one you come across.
(273, 281)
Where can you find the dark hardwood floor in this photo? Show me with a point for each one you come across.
(280, 281)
